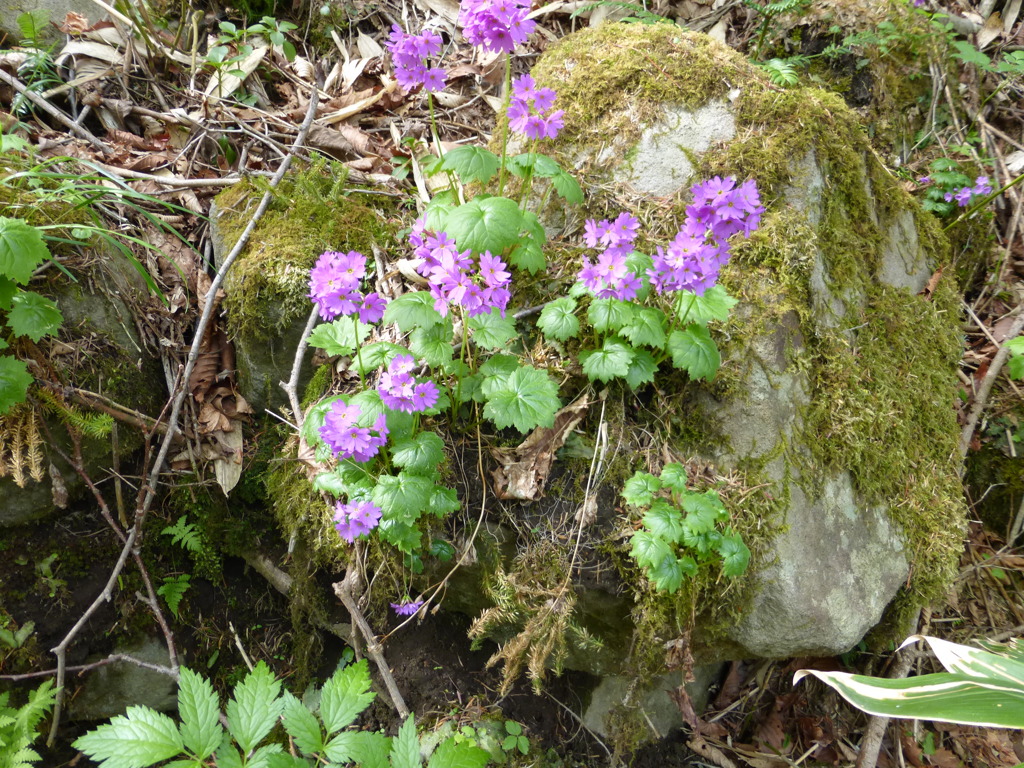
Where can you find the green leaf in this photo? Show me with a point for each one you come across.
(21, 249)
(434, 344)
(301, 725)
(340, 337)
(421, 453)
(968, 54)
(404, 497)
(707, 505)
(642, 369)
(373, 356)
(666, 574)
(14, 382)
(999, 662)
(412, 310)
(649, 549)
(639, 490)
(610, 314)
(715, 304)
(139, 738)
(443, 501)
(526, 399)
(485, 224)
(470, 162)
(33, 315)
(647, 328)
(1015, 365)
(610, 362)
(7, 290)
(694, 351)
(367, 749)
(199, 709)
(345, 695)
(280, 760)
(568, 188)
(227, 755)
(735, 555)
(255, 707)
(664, 520)
(405, 751)
(539, 165)
(450, 754)
(403, 536)
(173, 591)
(261, 757)
(674, 476)
(528, 252)
(558, 319)
(492, 331)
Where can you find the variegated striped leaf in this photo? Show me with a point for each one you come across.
(974, 662)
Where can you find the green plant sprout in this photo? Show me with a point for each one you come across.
(18, 726)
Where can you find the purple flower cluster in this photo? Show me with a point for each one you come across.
(334, 287)
(348, 441)
(694, 258)
(497, 25)
(410, 53)
(407, 607)
(452, 277)
(355, 519)
(399, 390)
(609, 278)
(526, 111)
(963, 196)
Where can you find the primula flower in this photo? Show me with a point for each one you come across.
(400, 391)
(496, 25)
(334, 287)
(355, 519)
(610, 278)
(348, 441)
(982, 186)
(527, 108)
(407, 607)
(410, 53)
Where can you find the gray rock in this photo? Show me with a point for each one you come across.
(108, 690)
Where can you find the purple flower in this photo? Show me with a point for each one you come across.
(407, 607)
(526, 111)
(982, 186)
(497, 25)
(346, 439)
(401, 392)
(963, 196)
(410, 53)
(924, 180)
(355, 519)
(334, 287)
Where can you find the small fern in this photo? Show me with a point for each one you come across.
(781, 71)
(18, 726)
(173, 590)
(94, 425)
(638, 13)
(185, 534)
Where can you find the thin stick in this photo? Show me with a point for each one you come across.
(872, 741)
(80, 668)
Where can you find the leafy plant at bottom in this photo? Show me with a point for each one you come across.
(143, 737)
(1015, 365)
(18, 726)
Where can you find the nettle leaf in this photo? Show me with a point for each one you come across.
(642, 369)
(666, 574)
(255, 707)
(649, 549)
(647, 328)
(567, 187)
(345, 695)
(199, 709)
(21, 249)
(526, 399)
(301, 725)
(340, 337)
(33, 315)
(139, 738)
(404, 497)
(443, 501)
(485, 224)
(639, 490)
(735, 555)
(14, 382)
(539, 165)
(492, 331)
(405, 750)
(373, 356)
(421, 453)
(464, 754)
(368, 749)
(412, 310)
(694, 351)
(470, 162)
(610, 314)
(610, 362)
(433, 344)
(665, 520)
(674, 476)
(558, 319)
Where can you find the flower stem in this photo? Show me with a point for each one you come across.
(359, 350)
(504, 125)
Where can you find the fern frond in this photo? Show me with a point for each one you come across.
(16, 463)
(34, 441)
(94, 425)
(185, 534)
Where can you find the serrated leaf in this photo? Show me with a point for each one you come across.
(491, 330)
(370, 750)
(666, 574)
(528, 398)
(694, 351)
(528, 253)
(558, 319)
(664, 520)
(533, 163)
(412, 310)
(255, 707)
(433, 344)
(647, 328)
(421, 453)
(33, 315)
(403, 497)
(485, 224)
(280, 760)
(21, 249)
(568, 188)
(340, 337)
(715, 304)
(642, 369)
(14, 382)
(345, 695)
(7, 290)
(612, 361)
(639, 490)
(648, 549)
(610, 314)
(1015, 367)
(405, 537)
(735, 555)
(500, 365)
(373, 356)
(261, 757)
(139, 738)
(405, 749)
(199, 709)
(452, 754)
(301, 725)
(673, 475)
(443, 501)
(471, 163)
